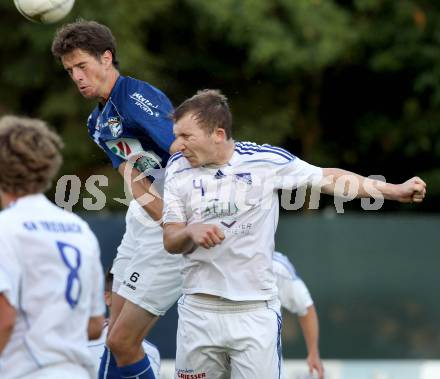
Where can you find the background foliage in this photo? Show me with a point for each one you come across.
(348, 83)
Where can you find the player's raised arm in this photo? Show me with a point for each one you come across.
(142, 190)
(340, 182)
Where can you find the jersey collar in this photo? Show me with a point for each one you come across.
(37, 197)
(112, 92)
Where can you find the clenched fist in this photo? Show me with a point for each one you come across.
(411, 191)
(206, 235)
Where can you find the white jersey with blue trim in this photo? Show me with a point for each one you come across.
(50, 272)
(241, 198)
(292, 291)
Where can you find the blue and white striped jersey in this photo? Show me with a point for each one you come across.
(241, 198)
(135, 119)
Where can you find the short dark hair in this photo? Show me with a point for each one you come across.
(90, 36)
(211, 110)
(29, 155)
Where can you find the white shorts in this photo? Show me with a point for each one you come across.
(219, 339)
(60, 371)
(144, 273)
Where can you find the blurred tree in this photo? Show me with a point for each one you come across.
(286, 48)
(350, 83)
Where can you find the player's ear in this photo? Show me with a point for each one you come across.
(107, 58)
(220, 135)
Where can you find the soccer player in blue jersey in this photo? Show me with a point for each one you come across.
(131, 124)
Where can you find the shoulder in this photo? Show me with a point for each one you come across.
(144, 92)
(136, 97)
(10, 216)
(174, 158)
(7, 220)
(72, 219)
(265, 152)
(177, 164)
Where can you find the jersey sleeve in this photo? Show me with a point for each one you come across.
(150, 110)
(294, 295)
(296, 173)
(286, 170)
(10, 272)
(174, 207)
(292, 292)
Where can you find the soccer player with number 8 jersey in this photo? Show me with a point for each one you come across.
(51, 279)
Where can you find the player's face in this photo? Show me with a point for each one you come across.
(195, 143)
(88, 73)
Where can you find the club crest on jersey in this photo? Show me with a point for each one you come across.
(115, 126)
(244, 177)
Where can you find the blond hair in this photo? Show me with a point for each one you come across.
(29, 155)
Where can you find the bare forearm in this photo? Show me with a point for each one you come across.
(340, 182)
(177, 239)
(142, 190)
(148, 198)
(310, 328)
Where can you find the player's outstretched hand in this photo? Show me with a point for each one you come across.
(412, 191)
(315, 364)
(206, 235)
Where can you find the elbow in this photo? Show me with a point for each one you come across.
(94, 334)
(170, 246)
(175, 240)
(6, 329)
(94, 329)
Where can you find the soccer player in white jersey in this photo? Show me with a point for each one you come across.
(295, 297)
(96, 347)
(51, 280)
(219, 213)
